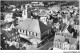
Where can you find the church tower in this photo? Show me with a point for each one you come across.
(24, 12)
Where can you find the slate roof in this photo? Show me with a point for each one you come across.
(33, 25)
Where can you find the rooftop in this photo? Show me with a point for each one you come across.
(33, 25)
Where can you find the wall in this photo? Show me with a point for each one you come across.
(29, 33)
(45, 33)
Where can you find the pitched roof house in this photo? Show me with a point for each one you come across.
(58, 42)
(10, 35)
(33, 28)
(64, 43)
(72, 43)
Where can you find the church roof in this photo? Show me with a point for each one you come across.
(33, 25)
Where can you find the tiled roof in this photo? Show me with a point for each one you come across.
(33, 25)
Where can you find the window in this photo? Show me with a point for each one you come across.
(20, 30)
(35, 34)
(31, 33)
(23, 31)
(60, 46)
(26, 32)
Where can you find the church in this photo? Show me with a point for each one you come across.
(33, 29)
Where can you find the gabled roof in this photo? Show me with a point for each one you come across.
(33, 25)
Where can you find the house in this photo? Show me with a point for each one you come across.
(33, 29)
(73, 42)
(8, 26)
(14, 35)
(65, 43)
(70, 44)
(10, 37)
(66, 46)
(58, 42)
(8, 17)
